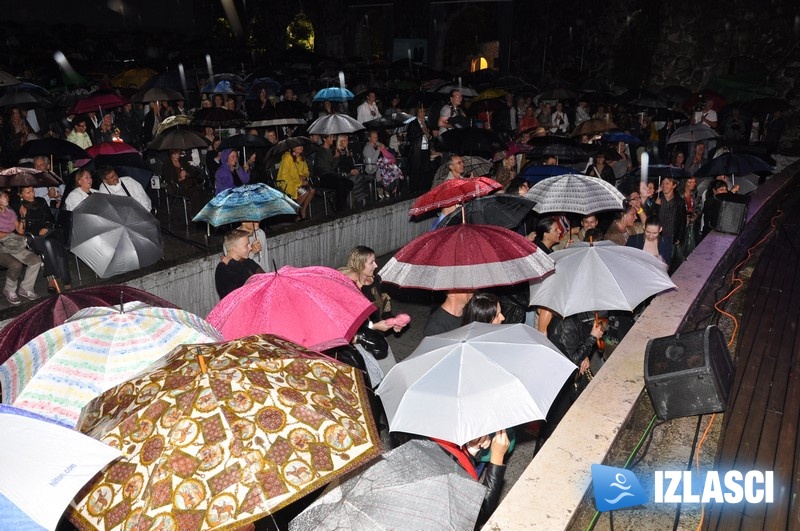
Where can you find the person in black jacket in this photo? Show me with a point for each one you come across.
(235, 267)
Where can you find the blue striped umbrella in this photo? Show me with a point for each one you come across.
(334, 94)
(251, 202)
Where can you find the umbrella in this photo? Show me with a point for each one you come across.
(275, 122)
(490, 94)
(384, 122)
(172, 121)
(251, 202)
(244, 141)
(110, 148)
(285, 145)
(558, 93)
(415, 486)
(733, 164)
(594, 126)
(7, 80)
(533, 173)
(44, 466)
(576, 193)
(98, 102)
(55, 147)
(600, 276)
(218, 117)
(178, 138)
(156, 94)
(334, 124)
(566, 151)
(475, 166)
(17, 176)
(473, 381)
(61, 370)
(23, 100)
(471, 141)
(692, 133)
(132, 78)
(466, 257)
(512, 149)
(339, 94)
(316, 306)
(267, 83)
(501, 210)
(55, 310)
(224, 434)
(114, 235)
(452, 192)
(467, 92)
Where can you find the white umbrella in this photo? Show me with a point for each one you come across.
(574, 192)
(600, 276)
(334, 124)
(44, 466)
(474, 381)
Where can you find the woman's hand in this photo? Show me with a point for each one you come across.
(22, 212)
(43, 231)
(500, 444)
(256, 247)
(382, 326)
(584, 366)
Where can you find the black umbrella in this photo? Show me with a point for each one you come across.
(23, 100)
(178, 138)
(156, 94)
(246, 141)
(58, 148)
(733, 164)
(384, 123)
(471, 141)
(218, 117)
(7, 80)
(564, 149)
(17, 176)
(288, 144)
(501, 210)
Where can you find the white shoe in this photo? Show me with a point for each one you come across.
(11, 296)
(30, 295)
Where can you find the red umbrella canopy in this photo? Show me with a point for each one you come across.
(467, 257)
(317, 307)
(452, 192)
(98, 101)
(110, 148)
(55, 310)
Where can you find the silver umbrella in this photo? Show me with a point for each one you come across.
(334, 124)
(416, 486)
(115, 234)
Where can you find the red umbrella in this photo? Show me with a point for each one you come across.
(452, 192)
(55, 310)
(467, 257)
(318, 307)
(98, 102)
(110, 148)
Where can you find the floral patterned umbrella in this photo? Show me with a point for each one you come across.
(216, 436)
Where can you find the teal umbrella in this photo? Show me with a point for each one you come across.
(251, 202)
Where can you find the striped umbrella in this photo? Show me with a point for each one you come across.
(576, 193)
(60, 371)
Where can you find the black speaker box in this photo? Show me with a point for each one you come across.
(688, 374)
(732, 213)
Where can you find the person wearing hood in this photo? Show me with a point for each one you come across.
(230, 173)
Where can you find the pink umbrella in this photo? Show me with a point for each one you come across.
(110, 148)
(318, 307)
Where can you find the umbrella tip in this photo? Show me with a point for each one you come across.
(274, 266)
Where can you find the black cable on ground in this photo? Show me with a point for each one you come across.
(688, 467)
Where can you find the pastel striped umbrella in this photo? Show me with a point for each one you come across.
(61, 370)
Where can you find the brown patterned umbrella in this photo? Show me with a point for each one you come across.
(219, 435)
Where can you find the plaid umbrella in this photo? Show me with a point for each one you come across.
(415, 486)
(251, 202)
(216, 436)
(60, 371)
(466, 257)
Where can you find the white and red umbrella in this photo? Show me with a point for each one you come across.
(452, 192)
(467, 257)
(318, 307)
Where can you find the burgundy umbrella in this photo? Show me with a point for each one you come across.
(467, 257)
(97, 102)
(110, 148)
(55, 310)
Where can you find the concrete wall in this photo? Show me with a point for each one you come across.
(191, 285)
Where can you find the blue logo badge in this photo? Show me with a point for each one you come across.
(616, 488)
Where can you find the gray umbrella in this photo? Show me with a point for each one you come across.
(115, 234)
(472, 165)
(334, 124)
(416, 486)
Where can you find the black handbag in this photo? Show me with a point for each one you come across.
(373, 342)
